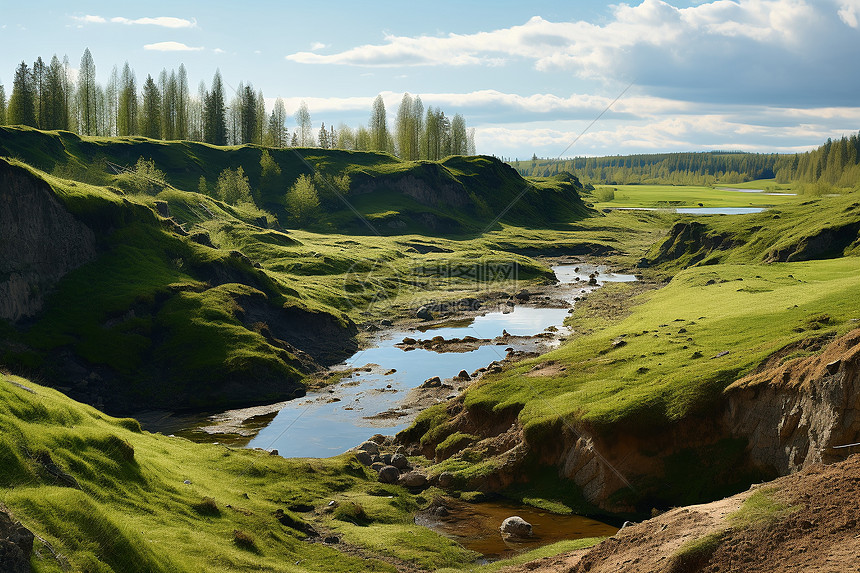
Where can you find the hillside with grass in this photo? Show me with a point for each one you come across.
(358, 192)
(638, 408)
(130, 289)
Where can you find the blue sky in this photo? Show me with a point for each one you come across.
(757, 75)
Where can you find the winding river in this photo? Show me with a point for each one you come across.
(331, 421)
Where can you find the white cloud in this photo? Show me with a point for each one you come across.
(848, 12)
(219, 51)
(318, 46)
(738, 50)
(163, 21)
(89, 19)
(171, 47)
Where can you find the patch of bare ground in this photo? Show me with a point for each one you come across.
(819, 530)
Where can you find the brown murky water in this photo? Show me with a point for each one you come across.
(476, 527)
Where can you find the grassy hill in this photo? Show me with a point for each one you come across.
(650, 365)
(458, 195)
(132, 290)
(107, 497)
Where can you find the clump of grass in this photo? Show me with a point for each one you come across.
(694, 555)
(760, 508)
(244, 540)
(352, 512)
(207, 507)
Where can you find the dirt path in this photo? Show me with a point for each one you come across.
(820, 532)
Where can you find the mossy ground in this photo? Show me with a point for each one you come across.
(134, 510)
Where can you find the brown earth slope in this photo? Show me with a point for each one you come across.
(809, 523)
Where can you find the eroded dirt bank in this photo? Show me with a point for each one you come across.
(807, 521)
(781, 418)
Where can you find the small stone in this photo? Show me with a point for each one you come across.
(389, 474)
(463, 375)
(441, 511)
(399, 461)
(433, 382)
(424, 313)
(331, 539)
(516, 527)
(369, 447)
(414, 479)
(446, 479)
(273, 453)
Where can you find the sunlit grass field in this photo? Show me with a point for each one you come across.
(672, 196)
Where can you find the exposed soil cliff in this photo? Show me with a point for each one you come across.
(803, 522)
(782, 418)
(40, 242)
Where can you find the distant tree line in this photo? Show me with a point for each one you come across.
(45, 96)
(703, 168)
(834, 165)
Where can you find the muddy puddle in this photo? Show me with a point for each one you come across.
(476, 527)
(377, 391)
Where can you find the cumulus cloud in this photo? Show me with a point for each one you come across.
(848, 10)
(318, 46)
(162, 21)
(171, 47)
(743, 50)
(89, 19)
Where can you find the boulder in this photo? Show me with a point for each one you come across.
(369, 447)
(463, 375)
(364, 458)
(389, 474)
(376, 466)
(523, 295)
(386, 459)
(424, 313)
(413, 479)
(516, 527)
(433, 382)
(446, 480)
(400, 461)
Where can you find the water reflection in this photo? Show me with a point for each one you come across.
(327, 423)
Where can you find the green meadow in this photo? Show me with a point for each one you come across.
(672, 196)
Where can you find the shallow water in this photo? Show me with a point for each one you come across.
(317, 426)
(718, 210)
(699, 210)
(476, 527)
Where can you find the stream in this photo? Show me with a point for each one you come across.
(331, 421)
(373, 397)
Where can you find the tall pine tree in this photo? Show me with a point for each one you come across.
(214, 113)
(87, 95)
(22, 109)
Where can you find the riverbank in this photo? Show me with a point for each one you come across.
(385, 385)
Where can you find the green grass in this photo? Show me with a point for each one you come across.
(760, 509)
(685, 343)
(750, 311)
(134, 511)
(672, 196)
(695, 554)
